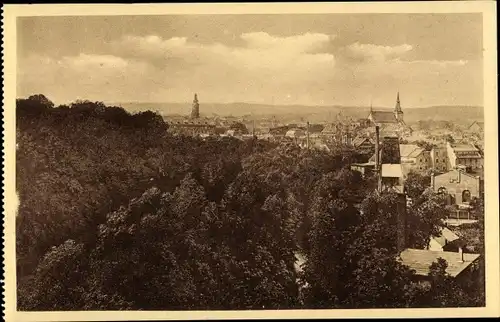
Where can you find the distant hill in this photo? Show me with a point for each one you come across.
(461, 114)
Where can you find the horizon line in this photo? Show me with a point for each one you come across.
(296, 104)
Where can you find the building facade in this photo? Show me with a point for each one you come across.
(391, 123)
(464, 154)
(414, 158)
(439, 159)
(459, 186)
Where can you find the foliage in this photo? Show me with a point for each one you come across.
(416, 184)
(351, 261)
(116, 213)
(425, 218)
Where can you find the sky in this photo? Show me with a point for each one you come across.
(308, 59)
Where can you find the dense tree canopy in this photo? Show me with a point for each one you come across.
(115, 213)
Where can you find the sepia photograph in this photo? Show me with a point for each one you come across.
(217, 160)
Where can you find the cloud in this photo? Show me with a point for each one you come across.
(379, 53)
(300, 43)
(260, 51)
(261, 68)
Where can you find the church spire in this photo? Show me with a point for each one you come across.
(398, 112)
(195, 112)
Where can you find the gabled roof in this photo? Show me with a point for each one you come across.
(454, 172)
(421, 259)
(478, 124)
(383, 116)
(464, 148)
(410, 150)
(330, 128)
(446, 237)
(360, 140)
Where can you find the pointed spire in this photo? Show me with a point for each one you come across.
(397, 108)
(195, 112)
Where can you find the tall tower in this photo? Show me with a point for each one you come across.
(195, 112)
(398, 112)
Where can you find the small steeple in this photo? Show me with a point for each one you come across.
(195, 112)
(398, 105)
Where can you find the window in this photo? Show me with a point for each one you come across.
(437, 160)
(466, 196)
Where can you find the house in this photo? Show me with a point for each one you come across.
(464, 154)
(333, 131)
(476, 127)
(392, 177)
(414, 158)
(363, 168)
(295, 133)
(459, 185)
(419, 260)
(447, 241)
(439, 159)
(363, 144)
(460, 264)
(192, 127)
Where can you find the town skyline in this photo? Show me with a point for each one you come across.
(339, 59)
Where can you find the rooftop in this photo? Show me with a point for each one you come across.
(410, 150)
(382, 117)
(447, 236)
(420, 260)
(366, 164)
(464, 148)
(392, 171)
(359, 140)
(473, 174)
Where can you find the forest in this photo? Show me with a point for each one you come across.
(116, 213)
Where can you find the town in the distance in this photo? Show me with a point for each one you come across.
(451, 156)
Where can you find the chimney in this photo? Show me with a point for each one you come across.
(461, 254)
(307, 133)
(377, 161)
(401, 223)
(348, 138)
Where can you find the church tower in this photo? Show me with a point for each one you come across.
(398, 112)
(195, 112)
